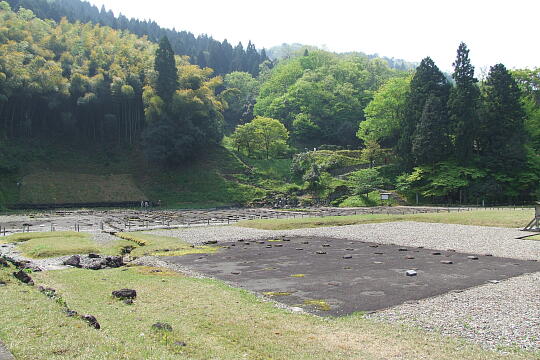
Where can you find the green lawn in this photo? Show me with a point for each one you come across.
(508, 218)
(157, 245)
(52, 244)
(213, 319)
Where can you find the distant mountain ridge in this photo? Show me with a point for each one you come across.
(286, 50)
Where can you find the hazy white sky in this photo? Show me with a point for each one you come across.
(495, 31)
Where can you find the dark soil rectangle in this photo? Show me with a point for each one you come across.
(340, 277)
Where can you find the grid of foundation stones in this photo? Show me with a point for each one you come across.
(138, 220)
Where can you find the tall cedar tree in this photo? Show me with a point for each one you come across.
(503, 133)
(463, 106)
(427, 81)
(430, 144)
(165, 65)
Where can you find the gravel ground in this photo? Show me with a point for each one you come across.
(471, 239)
(505, 314)
(495, 315)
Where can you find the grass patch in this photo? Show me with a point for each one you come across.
(275, 293)
(318, 304)
(298, 275)
(507, 218)
(157, 245)
(40, 245)
(213, 319)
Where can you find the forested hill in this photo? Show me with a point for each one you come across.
(202, 50)
(285, 51)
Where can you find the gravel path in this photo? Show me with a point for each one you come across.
(493, 315)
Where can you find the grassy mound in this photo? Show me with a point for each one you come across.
(52, 244)
(498, 218)
(73, 188)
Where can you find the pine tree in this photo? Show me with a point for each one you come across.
(165, 65)
(427, 81)
(502, 123)
(430, 142)
(463, 105)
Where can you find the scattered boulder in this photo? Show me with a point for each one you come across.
(125, 294)
(321, 252)
(180, 343)
(114, 261)
(128, 301)
(447, 262)
(22, 276)
(74, 261)
(2, 283)
(210, 242)
(347, 256)
(472, 257)
(92, 321)
(162, 327)
(3, 262)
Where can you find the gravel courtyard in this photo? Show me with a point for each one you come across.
(495, 315)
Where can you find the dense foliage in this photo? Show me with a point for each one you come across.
(88, 83)
(320, 96)
(202, 50)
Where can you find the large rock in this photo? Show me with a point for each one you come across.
(114, 261)
(92, 321)
(23, 277)
(125, 294)
(74, 260)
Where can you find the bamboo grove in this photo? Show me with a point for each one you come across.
(82, 83)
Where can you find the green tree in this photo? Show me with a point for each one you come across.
(265, 136)
(385, 113)
(502, 124)
(427, 81)
(165, 66)
(463, 105)
(430, 142)
(366, 180)
(372, 153)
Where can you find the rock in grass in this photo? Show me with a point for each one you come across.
(162, 327)
(3, 262)
(71, 313)
(411, 273)
(125, 294)
(180, 343)
(92, 321)
(94, 256)
(114, 261)
(22, 276)
(74, 260)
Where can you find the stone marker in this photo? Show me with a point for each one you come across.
(447, 262)
(321, 252)
(472, 257)
(411, 273)
(347, 256)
